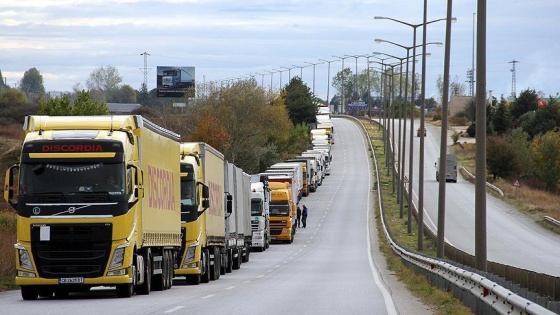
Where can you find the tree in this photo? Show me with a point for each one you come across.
(346, 78)
(125, 94)
(545, 119)
(103, 81)
(32, 84)
(502, 118)
(501, 157)
(12, 98)
(3, 85)
(527, 101)
(519, 140)
(546, 156)
(299, 102)
(83, 106)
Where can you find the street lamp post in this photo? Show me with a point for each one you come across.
(311, 63)
(279, 71)
(271, 77)
(356, 73)
(328, 79)
(342, 93)
(414, 27)
(411, 157)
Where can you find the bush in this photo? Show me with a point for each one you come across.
(455, 137)
(471, 131)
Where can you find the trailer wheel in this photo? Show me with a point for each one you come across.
(215, 268)
(170, 269)
(229, 260)
(29, 293)
(236, 259)
(247, 252)
(145, 288)
(205, 262)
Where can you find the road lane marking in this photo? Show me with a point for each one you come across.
(174, 309)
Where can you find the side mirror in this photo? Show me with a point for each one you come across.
(229, 205)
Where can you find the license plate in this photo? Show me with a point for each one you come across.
(73, 280)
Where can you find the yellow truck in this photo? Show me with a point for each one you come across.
(282, 211)
(97, 202)
(204, 204)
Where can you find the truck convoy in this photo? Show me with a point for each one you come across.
(118, 201)
(74, 230)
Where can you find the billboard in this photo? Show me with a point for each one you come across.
(175, 81)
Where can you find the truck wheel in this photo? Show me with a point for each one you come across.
(205, 261)
(193, 279)
(125, 290)
(247, 252)
(229, 261)
(29, 293)
(236, 259)
(45, 293)
(215, 267)
(145, 288)
(170, 269)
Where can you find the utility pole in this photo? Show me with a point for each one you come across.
(145, 85)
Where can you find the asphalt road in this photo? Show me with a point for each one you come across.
(332, 267)
(512, 237)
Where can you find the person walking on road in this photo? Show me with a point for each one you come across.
(304, 216)
(298, 222)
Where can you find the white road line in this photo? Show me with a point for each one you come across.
(208, 296)
(229, 288)
(174, 309)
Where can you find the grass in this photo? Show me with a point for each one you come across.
(441, 301)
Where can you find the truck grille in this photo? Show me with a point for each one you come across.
(274, 231)
(74, 250)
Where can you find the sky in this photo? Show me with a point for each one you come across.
(68, 39)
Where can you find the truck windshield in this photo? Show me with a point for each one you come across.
(72, 178)
(277, 210)
(256, 207)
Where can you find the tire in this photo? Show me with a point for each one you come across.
(125, 290)
(46, 293)
(205, 276)
(229, 261)
(171, 269)
(247, 252)
(146, 287)
(215, 268)
(61, 294)
(236, 260)
(193, 279)
(29, 293)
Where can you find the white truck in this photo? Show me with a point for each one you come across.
(238, 224)
(320, 160)
(260, 212)
(325, 158)
(450, 168)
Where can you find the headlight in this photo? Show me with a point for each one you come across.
(190, 253)
(24, 258)
(118, 256)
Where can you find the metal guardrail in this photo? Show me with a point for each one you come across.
(487, 292)
(552, 221)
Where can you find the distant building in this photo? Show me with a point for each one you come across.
(457, 104)
(122, 108)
